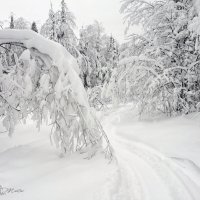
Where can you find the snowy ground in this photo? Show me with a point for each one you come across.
(157, 160)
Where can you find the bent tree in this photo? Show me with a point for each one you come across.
(39, 78)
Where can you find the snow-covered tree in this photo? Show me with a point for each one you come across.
(60, 28)
(160, 68)
(50, 27)
(99, 52)
(1, 25)
(34, 27)
(99, 57)
(66, 35)
(44, 83)
(90, 47)
(21, 23)
(111, 54)
(11, 26)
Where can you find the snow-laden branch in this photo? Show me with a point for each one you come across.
(61, 58)
(59, 91)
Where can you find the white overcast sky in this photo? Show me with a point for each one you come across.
(85, 11)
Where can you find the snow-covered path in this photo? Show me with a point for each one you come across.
(147, 174)
(155, 161)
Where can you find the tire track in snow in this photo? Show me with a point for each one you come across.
(145, 174)
(123, 184)
(149, 174)
(169, 174)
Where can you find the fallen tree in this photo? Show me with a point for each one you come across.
(43, 81)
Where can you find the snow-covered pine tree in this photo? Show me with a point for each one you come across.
(1, 24)
(60, 28)
(11, 26)
(66, 35)
(44, 83)
(50, 27)
(34, 27)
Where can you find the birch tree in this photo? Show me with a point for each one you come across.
(44, 83)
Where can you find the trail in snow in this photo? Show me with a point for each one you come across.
(146, 174)
(155, 161)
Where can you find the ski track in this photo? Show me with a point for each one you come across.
(143, 173)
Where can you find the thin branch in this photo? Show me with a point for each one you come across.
(14, 43)
(9, 103)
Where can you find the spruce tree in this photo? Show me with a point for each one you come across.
(66, 35)
(34, 27)
(49, 28)
(12, 26)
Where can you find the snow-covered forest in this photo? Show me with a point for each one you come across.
(85, 115)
